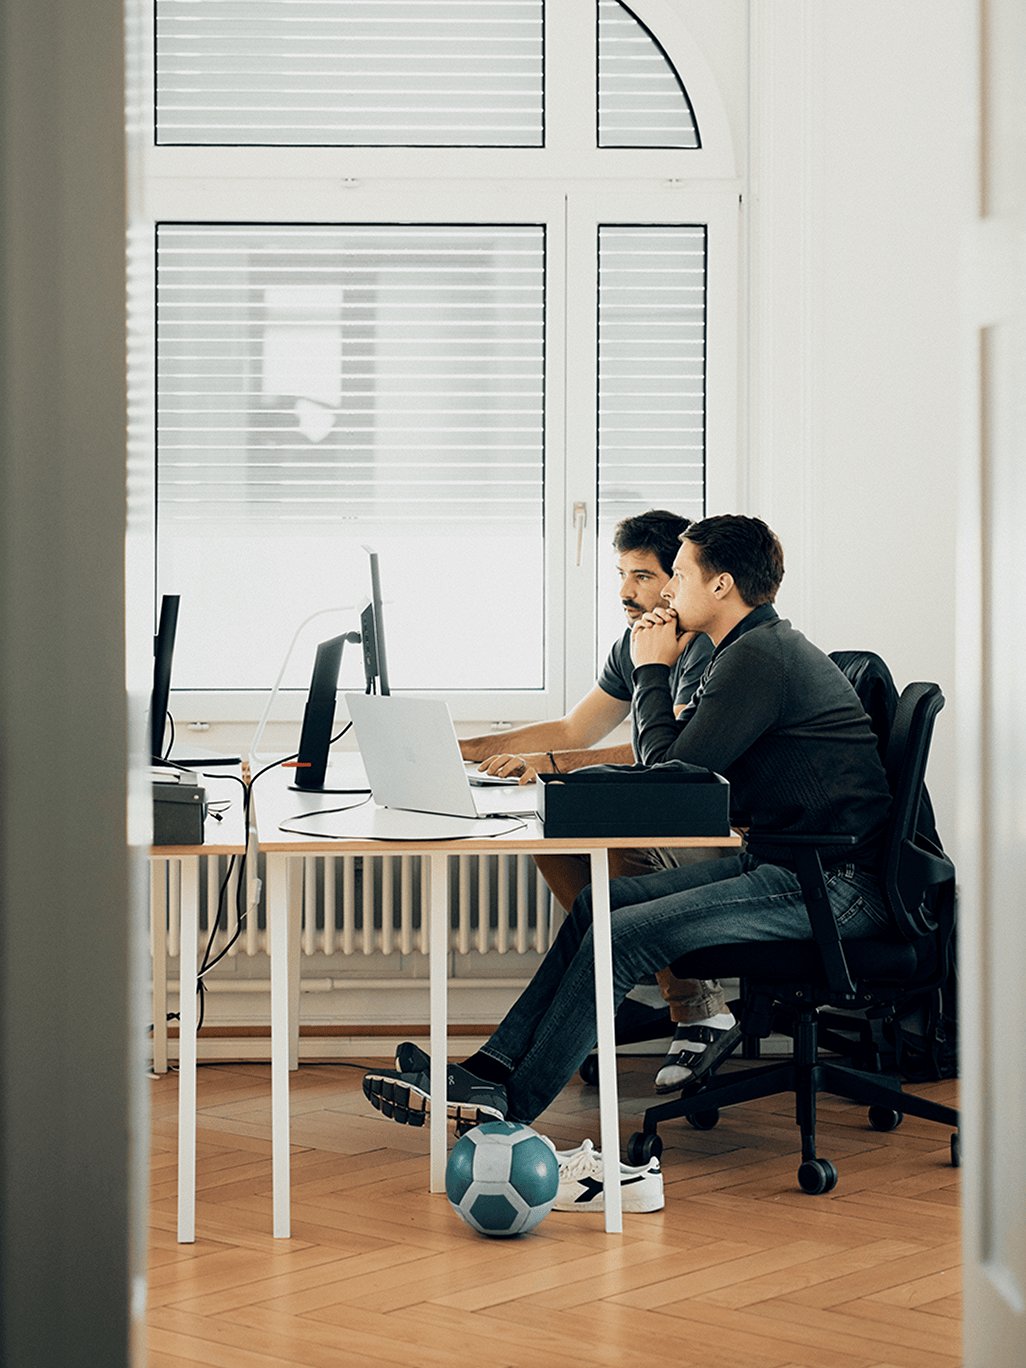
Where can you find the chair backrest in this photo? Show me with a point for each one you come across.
(872, 681)
(914, 865)
(874, 685)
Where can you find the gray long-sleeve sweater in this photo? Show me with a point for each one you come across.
(777, 718)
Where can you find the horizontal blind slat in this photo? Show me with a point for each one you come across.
(651, 376)
(444, 73)
(353, 365)
(642, 101)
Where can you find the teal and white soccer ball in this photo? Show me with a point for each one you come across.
(502, 1178)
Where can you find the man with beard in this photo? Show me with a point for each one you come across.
(645, 545)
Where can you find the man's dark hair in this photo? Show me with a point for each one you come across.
(742, 547)
(656, 531)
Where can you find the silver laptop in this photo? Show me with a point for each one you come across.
(412, 758)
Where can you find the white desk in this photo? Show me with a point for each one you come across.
(224, 837)
(275, 803)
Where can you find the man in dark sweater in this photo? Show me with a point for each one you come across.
(776, 718)
(773, 714)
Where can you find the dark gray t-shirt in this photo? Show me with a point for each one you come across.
(617, 677)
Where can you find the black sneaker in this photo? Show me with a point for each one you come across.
(405, 1096)
(410, 1058)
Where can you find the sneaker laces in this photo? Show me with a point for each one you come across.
(581, 1164)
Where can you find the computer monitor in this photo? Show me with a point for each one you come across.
(311, 763)
(163, 654)
(318, 717)
(372, 634)
(181, 755)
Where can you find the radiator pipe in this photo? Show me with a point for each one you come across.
(331, 985)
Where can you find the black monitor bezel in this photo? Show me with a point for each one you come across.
(319, 716)
(372, 632)
(163, 657)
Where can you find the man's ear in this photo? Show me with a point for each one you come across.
(724, 584)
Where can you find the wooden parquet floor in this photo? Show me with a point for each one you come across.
(741, 1268)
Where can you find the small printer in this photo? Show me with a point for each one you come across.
(179, 811)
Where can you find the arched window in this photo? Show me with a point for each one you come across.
(642, 100)
(456, 280)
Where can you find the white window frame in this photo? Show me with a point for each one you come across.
(636, 203)
(571, 187)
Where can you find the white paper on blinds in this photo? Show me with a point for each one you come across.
(651, 371)
(377, 375)
(377, 73)
(642, 101)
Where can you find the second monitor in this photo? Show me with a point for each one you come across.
(372, 633)
(319, 714)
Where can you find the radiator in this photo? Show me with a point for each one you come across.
(366, 905)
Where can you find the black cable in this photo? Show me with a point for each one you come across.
(169, 721)
(518, 825)
(321, 812)
(206, 964)
(182, 769)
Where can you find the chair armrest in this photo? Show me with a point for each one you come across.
(804, 850)
(805, 840)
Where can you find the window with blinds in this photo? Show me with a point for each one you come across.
(324, 386)
(651, 376)
(397, 348)
(642, 101)
(377, 73)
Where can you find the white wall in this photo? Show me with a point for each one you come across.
(861, 180)
(862, 183)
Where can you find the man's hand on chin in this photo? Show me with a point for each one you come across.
(655, 639)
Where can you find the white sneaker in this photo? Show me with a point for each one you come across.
(582, 1186)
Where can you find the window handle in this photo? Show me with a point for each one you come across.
(580, 522)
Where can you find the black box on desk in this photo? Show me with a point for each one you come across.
(631, 800)
(179, 811)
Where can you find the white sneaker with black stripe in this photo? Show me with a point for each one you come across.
(582, 1182)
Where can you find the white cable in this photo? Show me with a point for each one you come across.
(254, 754)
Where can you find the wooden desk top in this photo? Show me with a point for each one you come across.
(274, 803)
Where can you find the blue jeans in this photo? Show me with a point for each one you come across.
(550, 1029)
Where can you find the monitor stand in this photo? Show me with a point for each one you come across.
(196, 757)
(344, 773)
(300, 788)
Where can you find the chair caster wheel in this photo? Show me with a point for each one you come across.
(704, 1120)
(884, 1119)
(589, 1071)
(817, 1176)
(643, 1147)
(956, 1149)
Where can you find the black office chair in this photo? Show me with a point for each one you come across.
(800, 978)
(638, 1022)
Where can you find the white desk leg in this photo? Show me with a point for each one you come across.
(609, 1112)
(438, 973)
(279, 885)
(158, 958)
(295, 904)
(187, 1017)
